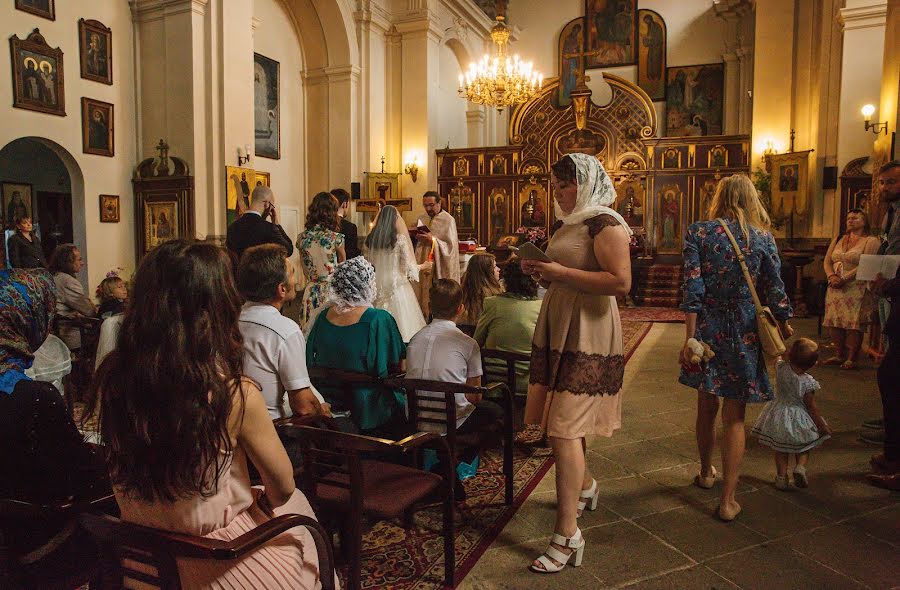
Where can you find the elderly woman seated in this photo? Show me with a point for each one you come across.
(349, 334)
(508, 320)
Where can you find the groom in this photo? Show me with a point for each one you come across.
(436, 233)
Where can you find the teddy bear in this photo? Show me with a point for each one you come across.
(699, 352)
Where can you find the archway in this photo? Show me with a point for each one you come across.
(51, 185)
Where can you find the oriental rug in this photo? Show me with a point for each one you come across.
(651, 314)
(413, 559)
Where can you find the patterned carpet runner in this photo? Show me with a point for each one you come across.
(658, 285)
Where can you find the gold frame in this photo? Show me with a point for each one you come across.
(461, 160)
(788, 200)
(718, 148)
(498, 158)
(658, 233)
(149, 207)
(670, 150)
(115, 218)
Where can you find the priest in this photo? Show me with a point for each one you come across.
(435, 235)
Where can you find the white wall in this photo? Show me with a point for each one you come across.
(105, 245)
(276, 39)
(452, 109)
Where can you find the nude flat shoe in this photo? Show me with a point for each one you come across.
(705, 482)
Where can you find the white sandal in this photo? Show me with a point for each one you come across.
(575, 542)
(589, 498)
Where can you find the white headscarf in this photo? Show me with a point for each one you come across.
(595, 192)
(352, 285)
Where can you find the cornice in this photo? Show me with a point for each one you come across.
(331, 74)
(150, 10)
(863, 17)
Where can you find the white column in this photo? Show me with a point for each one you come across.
(475, 124)
(732, 93)
(372, 24)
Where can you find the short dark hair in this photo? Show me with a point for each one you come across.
(323, 212)
(867, 227)
(446, 296)
(63, 259)
(260, 271)
(516, 281)
(434, 194)
(341, 195)
(564, 169)
(804, 353)
(889, 166)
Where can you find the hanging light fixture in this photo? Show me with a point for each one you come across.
(500, 81)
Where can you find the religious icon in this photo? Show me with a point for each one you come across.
(461, 167)
(669, 232)
(671, 158)
(95, 42)
(97, 133)
(44, 8)
(630, 202)
(860, 200)
(787, 180)
(694, 100)
(37, 75)
(262, 179)
(611, 32)
(498, 165)
(582, 141)
(652, 54)
(237, 191)
(462, 205)
(109, 208)
(16, 202)
(533, 205)
(498, 200)
(571, 60)
(161, 222)
(718, 157)
(707, 192)
(267, 107)
(382, 188)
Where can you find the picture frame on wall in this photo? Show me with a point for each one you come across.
(651, 54)
(95, 45)
(263, 178)
(267, 107)
(695, 100)
(42, 8)
(161, 222)
(16, 201)
(109, 209)
(611, 33)
(37, 69)
(97, 127)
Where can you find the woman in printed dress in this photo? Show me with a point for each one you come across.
(720, 312)
(321, 248)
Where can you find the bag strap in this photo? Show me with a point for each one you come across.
(743, 263)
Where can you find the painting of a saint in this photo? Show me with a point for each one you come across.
(532, 211)
(17, 201)
(694, 100)
(631, 203)
(97, 127)
(266, 107)
(44, 8)
(652, 54)
(707, 192)
(611, 32)
(462, 206)
(161, 223)
(95, 41)
(582, 141)
(37, 75)
(669, 240)
(237, 191)
(461, 167)
(571, 56)
(498, 165)
(498, 212)
(787, 179)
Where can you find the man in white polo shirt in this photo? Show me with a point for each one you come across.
(441, 352)
(274, 347)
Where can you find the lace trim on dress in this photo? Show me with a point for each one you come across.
(596, 224)
(577, 372)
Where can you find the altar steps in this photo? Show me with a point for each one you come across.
(658, 285)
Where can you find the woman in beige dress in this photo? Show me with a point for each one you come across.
(577, 360)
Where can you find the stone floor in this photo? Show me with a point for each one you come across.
(654, 530)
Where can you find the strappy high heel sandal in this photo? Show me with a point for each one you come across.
(575, 542)
(589, 498)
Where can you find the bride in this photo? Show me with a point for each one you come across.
(390, 251)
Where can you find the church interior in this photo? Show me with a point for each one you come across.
(127, 125)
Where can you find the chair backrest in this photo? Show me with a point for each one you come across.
(346, 382)
(509, 358)
(431, 402)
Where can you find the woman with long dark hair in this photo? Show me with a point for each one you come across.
(321, 247)
(481, 280)
(389, 249)
(179, 422)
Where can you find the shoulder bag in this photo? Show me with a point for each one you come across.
(770, 336)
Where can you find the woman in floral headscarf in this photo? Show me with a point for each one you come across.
(350, 334)
(44, 458)
(577, 361)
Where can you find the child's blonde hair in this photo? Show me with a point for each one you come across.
(803, 354)
(105, 290)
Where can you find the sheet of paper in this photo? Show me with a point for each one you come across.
(529, 251)
(419, 223)
(871, 265)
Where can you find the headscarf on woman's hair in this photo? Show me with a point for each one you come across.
(352, 285)
(595, 192)
(27, 306)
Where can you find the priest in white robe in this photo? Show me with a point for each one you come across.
(436, 234)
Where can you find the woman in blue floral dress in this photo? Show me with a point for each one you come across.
(321, 248)
(720, 312)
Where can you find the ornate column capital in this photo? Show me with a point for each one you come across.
(863, 17)
(150, 10)
(372, 14)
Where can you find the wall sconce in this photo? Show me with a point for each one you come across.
(243, 154)
(876, 128)
(769, 151)
(412, 168)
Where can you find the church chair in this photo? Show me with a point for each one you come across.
(509, 358)
(143, 557)
(79, 380)
(342, 478)
(496, 392)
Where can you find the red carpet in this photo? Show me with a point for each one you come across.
(651, 314)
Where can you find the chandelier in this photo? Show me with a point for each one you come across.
(500, 81)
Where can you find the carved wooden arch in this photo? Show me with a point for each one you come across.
(856, 168)
(629, 117)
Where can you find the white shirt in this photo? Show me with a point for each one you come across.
(274, 355)
(441, 352)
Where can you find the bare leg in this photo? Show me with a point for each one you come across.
(707, 408)
(781, 463)
(569, 455)
(588, 479)
(802, 459)
(732, 456)
(837, 338)
(853, 342)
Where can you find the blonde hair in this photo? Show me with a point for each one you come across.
(736, 198)
(105, 290)
(479, 282)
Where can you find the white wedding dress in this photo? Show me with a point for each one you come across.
(394, 269)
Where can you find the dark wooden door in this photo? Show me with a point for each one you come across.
(54, 214)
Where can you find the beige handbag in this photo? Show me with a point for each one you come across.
(770, 336)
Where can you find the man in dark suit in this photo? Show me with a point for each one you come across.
(348, 228)
(253, 228)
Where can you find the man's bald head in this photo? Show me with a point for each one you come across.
(260, 196)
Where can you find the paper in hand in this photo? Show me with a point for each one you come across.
(870, 265)
(529, 251)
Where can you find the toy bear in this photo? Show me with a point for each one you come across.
(699, 352)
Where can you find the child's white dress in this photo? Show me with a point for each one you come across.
(784, 423)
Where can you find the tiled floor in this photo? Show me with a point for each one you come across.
(654, 530)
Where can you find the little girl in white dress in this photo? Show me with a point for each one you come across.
(791, 424)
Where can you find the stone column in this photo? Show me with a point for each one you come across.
(732, 93)
(475, 123)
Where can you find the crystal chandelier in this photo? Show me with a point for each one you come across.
(500, 81)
